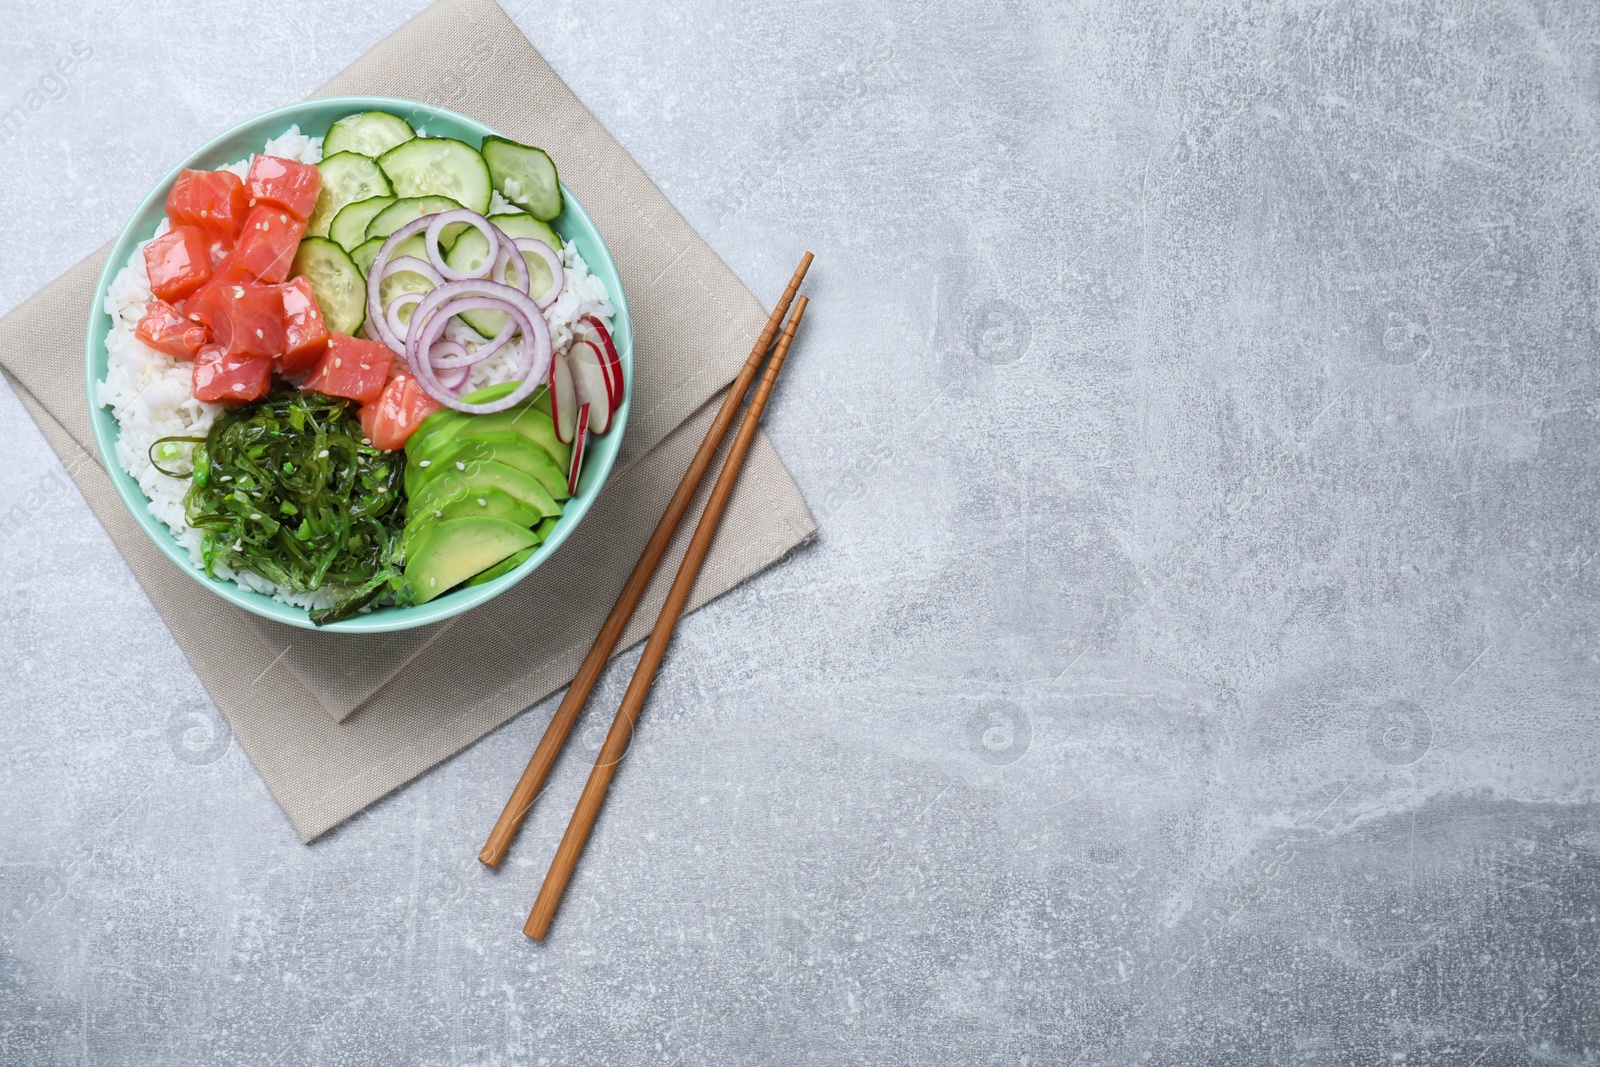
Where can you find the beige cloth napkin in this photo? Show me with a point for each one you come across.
(335, 721)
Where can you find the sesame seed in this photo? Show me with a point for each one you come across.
(482, 503)
(284, 219)
(238, 292)
(426, 463)
(238, 387)
(432, 582)
(338, 361)
(365, 367)
(438, 514)
(252, 201)
(460, 466)
(261, 335)
(255, 515)
(203, 212)
(323, 454)
(196, 318)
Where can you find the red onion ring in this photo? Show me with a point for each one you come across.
(453, 376)
(440, 366)
(400, 264)
(486, 349)
(509, 256)
(452, 298)
(558, 273)
(375, 278)
(391, 314)
(471, 218)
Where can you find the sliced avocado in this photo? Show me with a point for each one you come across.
(488, 475)
(448, 419)
(530, 420)
(505, 566)
(526, 421)
(512, 449)
(469, 500)
(456, 549)
(511, 563)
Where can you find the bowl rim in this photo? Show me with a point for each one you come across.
(601, 452)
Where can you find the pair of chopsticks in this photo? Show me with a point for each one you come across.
(616, 742)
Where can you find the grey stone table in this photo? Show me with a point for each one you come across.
(1200, 661)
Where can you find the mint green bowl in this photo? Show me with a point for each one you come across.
(314, 117)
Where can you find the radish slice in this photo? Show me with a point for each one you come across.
(613, 368)
(591, 329)
(563, 399)
(577, 450)
(588, 374)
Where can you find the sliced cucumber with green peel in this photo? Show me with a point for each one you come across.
(349, 227)
(468, 253)
(367, 251)
(338, 285)
(364, 253)
(524, 175)
(520, 224)
(371, 134)
(347, 178)
(411, 209)
(439, 166)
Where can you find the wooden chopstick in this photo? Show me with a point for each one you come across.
(555, 735)
(605, 765)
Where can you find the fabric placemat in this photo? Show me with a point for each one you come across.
(334, 721)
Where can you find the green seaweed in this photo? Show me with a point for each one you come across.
(290, 489)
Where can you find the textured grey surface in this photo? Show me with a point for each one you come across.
(1200, 660)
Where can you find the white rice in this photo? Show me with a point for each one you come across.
(150, 393)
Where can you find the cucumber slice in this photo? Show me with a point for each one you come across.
(370, 133)
(349, 227)
(346, 179)
(340, 289)
(519, 224)
(410, 209)
(367, 251)
(524, 175)
(364, 253)
(467, 256)
(439, 166)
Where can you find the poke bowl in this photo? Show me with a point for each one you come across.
(359, 364)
